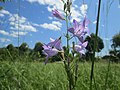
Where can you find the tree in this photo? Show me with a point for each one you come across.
(90, 46)
(116, 41)
(38, 47)
(23, 47)
(12, 51)
(36, 53)
(115, 47)
(10, 47)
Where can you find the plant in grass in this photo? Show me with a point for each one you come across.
(78, 30)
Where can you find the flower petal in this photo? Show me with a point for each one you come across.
(71, 30)
(82, 52)
(76, 24)
(56, 43)
(57, 14)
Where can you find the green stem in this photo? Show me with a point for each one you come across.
(68, 71)
(67, 34)
(95, 44)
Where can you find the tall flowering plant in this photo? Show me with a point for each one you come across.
(79, 30)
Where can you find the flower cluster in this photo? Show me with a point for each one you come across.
(78, 30)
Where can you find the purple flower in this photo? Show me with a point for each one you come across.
(80, 30)
(80, 48)
(52, 48)
(55, 43)
(57, 14)
(49, 52)
(85, 23)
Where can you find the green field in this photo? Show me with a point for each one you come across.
(37, 76)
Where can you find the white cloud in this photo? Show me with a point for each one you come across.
(76, 6)
(35, 24)
(1, 15)
(49, 9)
(4, 12)
(4, 32)
(12, 33)
(23, 23)
(75, 14)
(83, 9)
(52, 4)
(15, 34)
(95, 22)
(24, 28)
(55, 25)
(50, 18)
(4, 40)
(56, 3)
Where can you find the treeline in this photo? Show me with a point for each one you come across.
(24, 53)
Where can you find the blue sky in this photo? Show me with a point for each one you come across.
(37, 23)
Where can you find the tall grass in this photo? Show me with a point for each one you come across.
(37, 76)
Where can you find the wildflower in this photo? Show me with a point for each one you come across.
(52, 48)
(80, 30)
(80, 48)
(85, 23)
(56, 43)
(49, 52)
(57, 14)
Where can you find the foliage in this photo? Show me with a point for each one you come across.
(3, 54)
(38, 47)
(90, 46)
(115, 52)
(11, 51)
(36, 76)
(23, 47)
(116, 41)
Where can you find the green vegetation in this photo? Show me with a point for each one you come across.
(37, 76)
(114, 54)
(21, 67)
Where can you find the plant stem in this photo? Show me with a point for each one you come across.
(67, 35)
(68, 71)
(95, 45)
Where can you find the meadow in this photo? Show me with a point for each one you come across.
(37, 76)
(59, 65)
